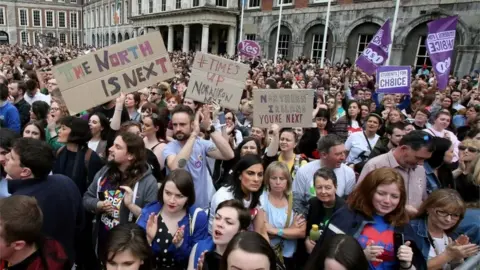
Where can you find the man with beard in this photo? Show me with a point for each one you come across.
(122, 187)
(407, 159)
(17, 90)
(190, 152)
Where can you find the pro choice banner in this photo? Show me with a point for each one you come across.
(100, 76)
(394, 79)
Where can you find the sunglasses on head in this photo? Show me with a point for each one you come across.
(469, 148)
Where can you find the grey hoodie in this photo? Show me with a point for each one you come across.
(146, 193)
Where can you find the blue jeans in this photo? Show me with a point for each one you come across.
(470, 225)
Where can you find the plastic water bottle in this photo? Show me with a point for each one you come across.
(314, 233)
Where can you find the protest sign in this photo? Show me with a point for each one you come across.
(287, 108)
(217, 79)
(376, 52)
(394, 79)
(100, 76)
(440, 43)
(248, 48)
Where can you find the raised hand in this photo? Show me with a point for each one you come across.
(152, 227)
(201, 260)
(178, 237)
(128, 196)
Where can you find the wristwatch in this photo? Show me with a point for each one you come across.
(211, 129)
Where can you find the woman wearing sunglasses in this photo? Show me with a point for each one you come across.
(437, 219)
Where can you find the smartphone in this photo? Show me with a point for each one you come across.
(101, 196)
(221, 118)
(398, 240)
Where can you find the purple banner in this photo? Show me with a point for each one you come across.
(440, 43)
(376, 52)
(394, 79)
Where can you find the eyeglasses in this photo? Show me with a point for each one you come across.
(441, 213)
(469, 148)
(54, 109)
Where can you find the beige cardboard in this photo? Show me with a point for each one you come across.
(285, 107)
(83, 90)
(217, 79)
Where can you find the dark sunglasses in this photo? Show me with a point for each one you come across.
(470, 149)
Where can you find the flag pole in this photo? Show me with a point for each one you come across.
(325, 35)
(278, 31)
(240, 38)
(394, 24)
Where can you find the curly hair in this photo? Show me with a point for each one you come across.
(61, 104)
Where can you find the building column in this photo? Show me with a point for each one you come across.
(186, 38)
(170, 38)
(135, 32)
(231, 40)
(205, 30)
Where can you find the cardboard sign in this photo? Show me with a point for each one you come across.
(217, 79)
(394, 79)
(287, 108)
(99, 76)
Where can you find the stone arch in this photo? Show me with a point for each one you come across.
(114, 39)
(331, 29)
(127, 36)
(283, 23)
(106, 41)
(272, 37)
(312, 40)
(4, 37)
(359, 37)
(120, 38)
(404, 31)
(358, 22)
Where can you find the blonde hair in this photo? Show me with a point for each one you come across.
(274, 166)
(61, 105)
(246, 105)
(471, 143)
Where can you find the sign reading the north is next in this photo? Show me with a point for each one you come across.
(100, 76)
(217, 79)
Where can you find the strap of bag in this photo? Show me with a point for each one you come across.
(192, 220)
(366, 138)
(289, 211)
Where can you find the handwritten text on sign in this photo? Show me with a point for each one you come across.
(128, 66)
(217, 79)
(393, 79)
(287, 108)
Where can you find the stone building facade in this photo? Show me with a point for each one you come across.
(354, 22)
(27, 21)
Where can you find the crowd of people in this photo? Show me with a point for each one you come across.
(155, 180)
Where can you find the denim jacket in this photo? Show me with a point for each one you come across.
(200, 230)
(351, 222)
(420, 227)
(432, 180)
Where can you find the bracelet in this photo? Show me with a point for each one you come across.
(410, 266)
(280, 232)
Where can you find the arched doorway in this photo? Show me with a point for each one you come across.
(93, 40)
(285, 48)
(114, 40)
(120, 37)
(127, 37)
(415, 52)
(359, 38)
(98, 41)
(106, 40)
(4, 37)
(314, 42)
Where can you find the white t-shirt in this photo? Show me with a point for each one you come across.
(38, 96)
(93, 145)
(357, 143)
(441, 245)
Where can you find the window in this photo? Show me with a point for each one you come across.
(112, 15)
(2, 16)
(49, 18)
(97, 17)
(150, 6)
(178, 4)
(253, 3)
(50, 35)
(74, 39)
(37, 21)
(63, 38)
(24, 37)
(251, 36)
(363, 41)
(317, 43)
(125, 12)
(196, 3)
(283, 44)
(119, 13)
(422, 57)
(322, 1)
(62, 22)
(285, 2)
(105, 17)
(221, 3)
(73, 1)
(139, 3)
(73, 20)
(164, 5)
(23, 17)
(62, 1)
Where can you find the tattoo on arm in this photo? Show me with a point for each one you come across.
(182, 163)
(211, 149)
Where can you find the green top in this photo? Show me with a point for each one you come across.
(52, 141)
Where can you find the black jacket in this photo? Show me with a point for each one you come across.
(24, 111)
(316, 212)
(61, 204)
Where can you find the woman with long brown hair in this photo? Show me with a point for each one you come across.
(375, 215)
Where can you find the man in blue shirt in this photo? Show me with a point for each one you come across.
(9, 117)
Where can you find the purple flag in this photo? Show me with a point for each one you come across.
(440, 44)
(394, 79)
(376, 52)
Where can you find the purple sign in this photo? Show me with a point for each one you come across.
(248, 48)
(376, 52)
(440, 43)
(394, 79)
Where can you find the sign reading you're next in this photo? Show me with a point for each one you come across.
(99, 76)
